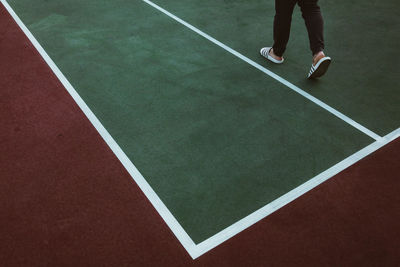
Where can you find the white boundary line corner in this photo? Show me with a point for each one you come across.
(285, 199)
(167, 216)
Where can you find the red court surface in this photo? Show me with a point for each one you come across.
(66, 200)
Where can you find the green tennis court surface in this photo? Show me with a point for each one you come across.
(361, 37)
(214, 137)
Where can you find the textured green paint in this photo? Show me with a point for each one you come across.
(215, 138)
(362, 37)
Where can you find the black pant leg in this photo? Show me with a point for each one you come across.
(315, 24)
(282, 23)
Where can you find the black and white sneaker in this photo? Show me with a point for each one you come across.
(320, 68)
(265, 53)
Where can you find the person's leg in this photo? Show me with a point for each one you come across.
(282, 23)
(315, 25)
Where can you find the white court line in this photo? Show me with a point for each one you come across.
(193, 249)
(273, 206)
(270, 73)
(170, 220)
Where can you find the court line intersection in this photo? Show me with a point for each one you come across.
(196, 250)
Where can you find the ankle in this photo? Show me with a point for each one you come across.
(271, 53)
(318, 56)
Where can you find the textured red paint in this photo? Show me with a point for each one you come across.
(65, 200)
